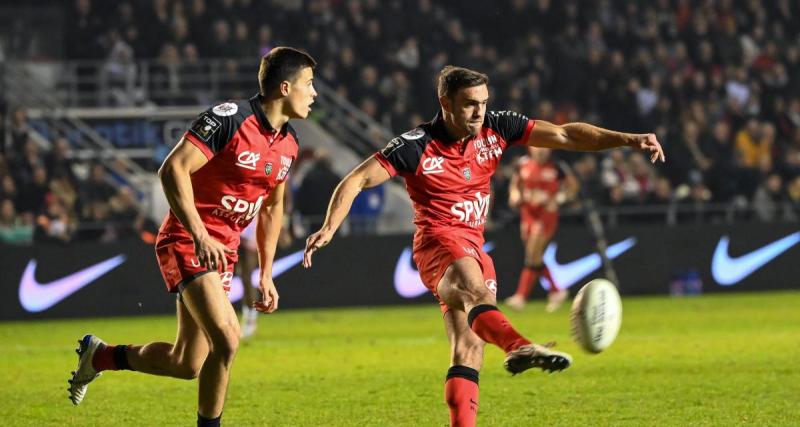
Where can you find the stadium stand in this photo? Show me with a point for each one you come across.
(719, 82)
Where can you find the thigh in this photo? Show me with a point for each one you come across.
(463, 285)
(210, 308)
(466, 349)
(534, 247)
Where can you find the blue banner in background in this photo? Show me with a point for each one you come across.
(90, 280)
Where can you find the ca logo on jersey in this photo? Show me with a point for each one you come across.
(433, 165)
(248, 160)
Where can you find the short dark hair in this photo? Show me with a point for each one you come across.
(281, 64)
(452, 79)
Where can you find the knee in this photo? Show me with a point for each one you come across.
(189, 370)
(225, 343)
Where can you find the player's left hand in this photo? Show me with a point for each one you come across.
(314, 242)
(649, 144)
(269, 297)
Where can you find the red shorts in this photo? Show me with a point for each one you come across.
(434, 253)
(541, 224)
(179, 265)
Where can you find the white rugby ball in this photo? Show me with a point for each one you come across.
(596, 315)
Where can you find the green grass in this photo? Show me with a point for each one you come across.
(712, 360)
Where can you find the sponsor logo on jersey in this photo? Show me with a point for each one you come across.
(248, 160)
(414, 134)
(487, 149)
(238, 210)
(433, 165)
(393, 145)
(286, 163)
(472, 212)
(205, 126)
(225, 109)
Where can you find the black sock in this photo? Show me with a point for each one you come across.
(208, 422)
(120, 358)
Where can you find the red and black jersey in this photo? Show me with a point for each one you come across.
(449, 180)
(247, 158)
(538, 184)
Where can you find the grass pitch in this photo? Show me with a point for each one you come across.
(711, 360)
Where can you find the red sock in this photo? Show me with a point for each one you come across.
(461, 395)
(553, 285)
(492, 326)
(526, 280)
(110, 358)
(103, 359)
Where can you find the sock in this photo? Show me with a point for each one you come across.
(208, 422)
(461, 395)
(491, 325)
(526, 280)
(111, 358)
(245, 311)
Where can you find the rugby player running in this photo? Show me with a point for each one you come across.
(229, 167)
(447, 164)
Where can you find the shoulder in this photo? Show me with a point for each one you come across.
(293, 132)
(496, 119)
(415, 140)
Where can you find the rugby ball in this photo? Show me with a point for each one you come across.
(596, 315)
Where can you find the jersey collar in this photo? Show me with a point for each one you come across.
(439, 130)
(255, 103)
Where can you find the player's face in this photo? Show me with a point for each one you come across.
(301, 94)
(467, 110)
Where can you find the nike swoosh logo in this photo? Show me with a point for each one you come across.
(570, 273)
(279, 266)
(36, 297)
(407, 282)
(729, 271)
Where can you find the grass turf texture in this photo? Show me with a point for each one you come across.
(711, 360)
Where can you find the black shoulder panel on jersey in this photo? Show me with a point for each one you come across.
(405, 151)
(291, 130)
(509, 124)
(217, 125)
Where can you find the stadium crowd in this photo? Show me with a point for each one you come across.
(718, 81)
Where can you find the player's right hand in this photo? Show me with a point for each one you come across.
(314, 242)
(211, 253)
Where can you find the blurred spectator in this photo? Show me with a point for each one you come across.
(125, 214)
(31, 196)
(315, 190)
(53, 224)
(12, 228)
(97, 187)
(770, 200)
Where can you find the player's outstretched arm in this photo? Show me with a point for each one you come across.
(268, 229)
(184, 160)
(586, 137)
(368, 174)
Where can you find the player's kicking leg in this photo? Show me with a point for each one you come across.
(182, 359)
(466, 359)
(463, 288)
